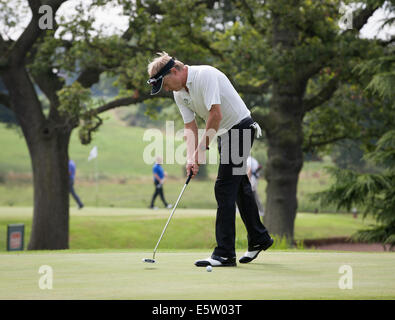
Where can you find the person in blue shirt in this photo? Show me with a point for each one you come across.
(72, 168)
(159, 179)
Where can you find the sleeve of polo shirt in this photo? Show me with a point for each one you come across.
(187, 114)
(210, 88)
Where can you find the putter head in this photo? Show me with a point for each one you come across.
(149, 260)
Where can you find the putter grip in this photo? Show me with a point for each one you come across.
(189, 178)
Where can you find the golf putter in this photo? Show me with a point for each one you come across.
(168, 220)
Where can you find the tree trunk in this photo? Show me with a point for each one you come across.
(285, 160)
(47, 141)
(50, 229)
(284, 130)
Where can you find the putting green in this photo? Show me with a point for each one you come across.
(123, 275)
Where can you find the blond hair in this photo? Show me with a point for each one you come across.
(159, 62)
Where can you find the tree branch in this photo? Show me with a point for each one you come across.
(4, 48)
(137, 98)
(49, 83)
(311, 144)
(205, 44)
(5, 100)
(249, 13)
(324, 95)
(387, 43)
(315, 66)
(262, 119)
(91, 75)
(154, 9)
(32, 31)
(329, 89)
(363, 16)
(34, 49)
(3, 44)
(249, 89)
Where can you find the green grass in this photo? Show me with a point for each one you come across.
(120, 152)
(124, 178)
(123, 275)
(108, 245)
(111, 235)
(137, 193)
(314, 226)
(117, 228)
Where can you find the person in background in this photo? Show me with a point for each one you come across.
(253, 168)
(72, 169)
(159, 179)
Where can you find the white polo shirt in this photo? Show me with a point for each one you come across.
(207, 86)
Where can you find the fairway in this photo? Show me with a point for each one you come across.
(131, 228)
(123, 275)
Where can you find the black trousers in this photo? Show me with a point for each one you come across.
(233, 186)
(158, 191)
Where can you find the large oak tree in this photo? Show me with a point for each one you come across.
(287, 58)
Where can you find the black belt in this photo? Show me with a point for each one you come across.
(246, 122)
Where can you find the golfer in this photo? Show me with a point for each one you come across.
(207, 92)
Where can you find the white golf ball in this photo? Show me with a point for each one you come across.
(209, 268)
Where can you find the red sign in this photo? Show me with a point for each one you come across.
(15, 240)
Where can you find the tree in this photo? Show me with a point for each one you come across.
(47, 138)
(372, 191)
(40, 57)
(36, 58)
(291, 60)
(301, 58)
(288, 57)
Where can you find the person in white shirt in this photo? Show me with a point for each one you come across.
(253, 174)
(207, 92)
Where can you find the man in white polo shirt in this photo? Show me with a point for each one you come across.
(207, 92)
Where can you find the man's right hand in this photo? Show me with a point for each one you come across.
(194, 167)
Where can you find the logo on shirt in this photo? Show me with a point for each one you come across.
(186, 101)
